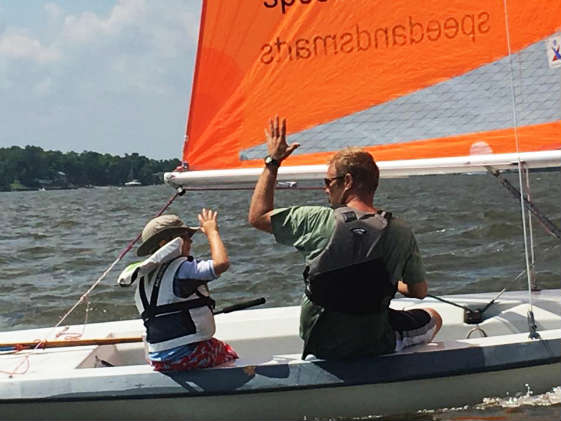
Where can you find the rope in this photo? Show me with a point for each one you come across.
(467, 308)
(179, 192)
(516, 141)
(532, 248)
(15, 370)
(547, 223)
(84, 296)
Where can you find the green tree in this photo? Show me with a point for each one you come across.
(32, 167)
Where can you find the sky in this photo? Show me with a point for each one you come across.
(109, 76)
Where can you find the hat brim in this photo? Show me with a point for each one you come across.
(152, 244)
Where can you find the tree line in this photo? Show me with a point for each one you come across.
(32, 168)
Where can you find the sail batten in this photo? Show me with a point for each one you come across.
(437, 79)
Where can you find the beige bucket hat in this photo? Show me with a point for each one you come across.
(164, 227)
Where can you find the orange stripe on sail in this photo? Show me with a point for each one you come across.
(315, 62)
(532, 138)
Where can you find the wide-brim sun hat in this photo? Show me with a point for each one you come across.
(165, 227)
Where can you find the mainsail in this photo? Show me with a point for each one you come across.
(430, 86)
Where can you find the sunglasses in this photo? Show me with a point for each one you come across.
(328, 181)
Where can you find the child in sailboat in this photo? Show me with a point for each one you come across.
(172, 294)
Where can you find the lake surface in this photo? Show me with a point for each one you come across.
(55, 244)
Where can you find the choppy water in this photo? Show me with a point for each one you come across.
(55, 244)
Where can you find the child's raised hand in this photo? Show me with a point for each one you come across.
(207, 219)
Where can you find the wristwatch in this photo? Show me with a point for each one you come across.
(271, 162)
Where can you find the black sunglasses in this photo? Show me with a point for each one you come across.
(328, 181)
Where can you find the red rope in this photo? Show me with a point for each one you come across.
(41, 343)
(180, 192)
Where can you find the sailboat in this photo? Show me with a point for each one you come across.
(434, 87)
(133, 182)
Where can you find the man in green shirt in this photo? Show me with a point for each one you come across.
(357, 258)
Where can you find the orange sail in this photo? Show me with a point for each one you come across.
(406, 80)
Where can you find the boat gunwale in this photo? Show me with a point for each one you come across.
(491, 358)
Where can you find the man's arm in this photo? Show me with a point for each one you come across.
(418, 290)
(262, 201)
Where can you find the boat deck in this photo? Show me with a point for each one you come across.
(261, 336)
(461, 360)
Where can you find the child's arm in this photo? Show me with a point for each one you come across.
(209, 226)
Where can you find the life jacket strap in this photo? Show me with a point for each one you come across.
(151, 312)
(152, 309)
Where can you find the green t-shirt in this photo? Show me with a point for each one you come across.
(329, 334)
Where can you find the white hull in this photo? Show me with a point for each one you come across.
(270, 381)
(351, 401)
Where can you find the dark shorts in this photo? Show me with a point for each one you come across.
(411, 327)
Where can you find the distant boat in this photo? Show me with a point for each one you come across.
(133, 183)
(287, 184)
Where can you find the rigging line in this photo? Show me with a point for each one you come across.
(179, 192)
(489, 304)
(530, 225)
(516, 141)
(449, 302)
(548, 224)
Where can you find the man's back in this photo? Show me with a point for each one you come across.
(330, 334)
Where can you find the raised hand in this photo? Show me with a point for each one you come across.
(208, 220)
(276, 139)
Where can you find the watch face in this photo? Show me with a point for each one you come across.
(270, 161)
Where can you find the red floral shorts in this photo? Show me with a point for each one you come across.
(207, 353)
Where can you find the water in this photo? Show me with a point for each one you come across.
(55, 244)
